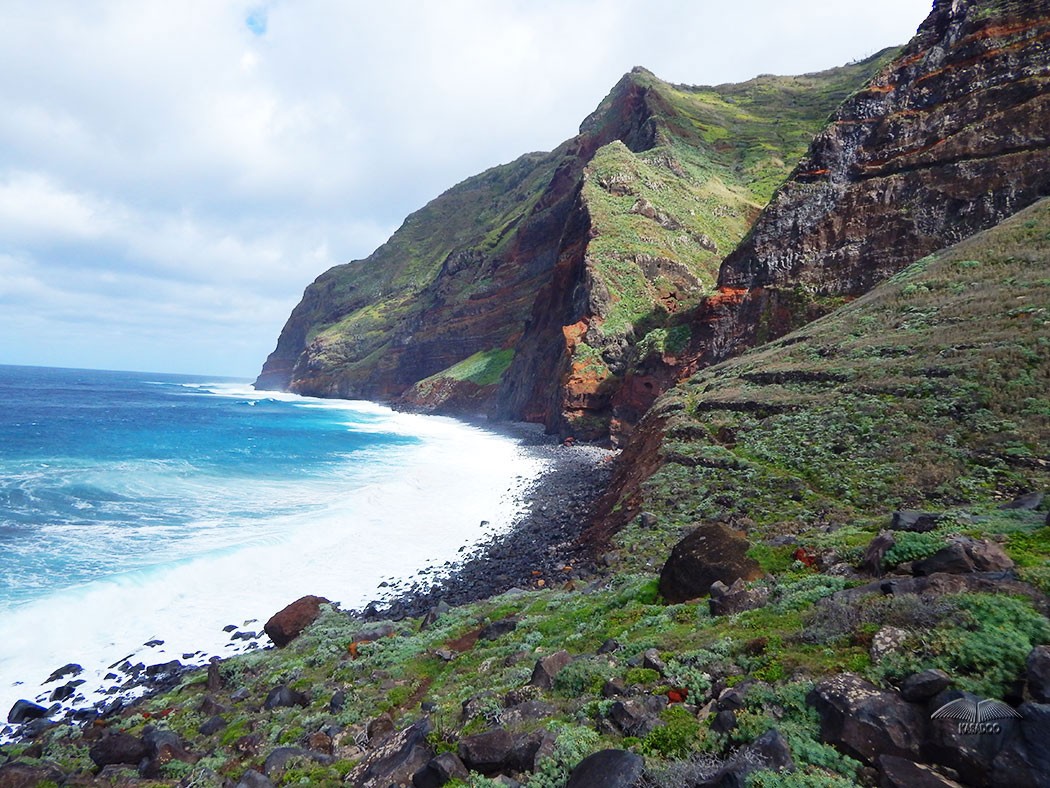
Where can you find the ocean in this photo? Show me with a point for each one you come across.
(137, 508)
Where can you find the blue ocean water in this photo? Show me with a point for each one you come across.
(138, 507)
(101, 472)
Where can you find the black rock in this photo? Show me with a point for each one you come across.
(1038, 665)
(284, 696)
(440, 770)
(396, 760)
(1030, 500)
(549, 667)
(711, 552)
(724, 721)
(608, 647)
(607, 769)
(1024, 761)
(164, 668)
(915, 521)
(865, 722)
(897, 772)
(920, 687)
(72, 669)
(65, 692)
(254, 779)
(498, 629)
(338, 701)
(23, 711)
(212, 725)
(118, 748)
(489, 753)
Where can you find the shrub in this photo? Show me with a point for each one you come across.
(676, 738)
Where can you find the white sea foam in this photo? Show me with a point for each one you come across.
(408, 509)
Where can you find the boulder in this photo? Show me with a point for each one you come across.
(607, 769)
(440, 770)
(897, 772)
(498, 629)
(549, 667)
(920, 687)
(651, 660)
(287, 624)
(886, 641)
(380, 727)
(1024, 762)
(118, 748)
(638, 717)
(212, 725)
(865, 722)
(727, 600)
(23, 711)
(65, 692)
(712, 552)
(1029, 501)
(1038, 666)
(434, 614)
(215, 681)
(284, 696)
(163, 747)
(964, 555)
(770, 751)
(969, 754)
(24, 775)
(953, 560)
(254, 779)
(71, 669)
(489, 753)
(396, 760)
(875, 552)
(915, 521)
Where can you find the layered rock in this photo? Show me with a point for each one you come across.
(947, 140)
(541, 288)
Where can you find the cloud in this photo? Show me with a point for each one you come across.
(173, 175)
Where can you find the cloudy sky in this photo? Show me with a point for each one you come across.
(172, 175)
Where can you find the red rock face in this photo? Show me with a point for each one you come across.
(286, 625)
(949, 139)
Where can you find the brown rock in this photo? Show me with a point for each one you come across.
(396, 760)
(864, 721)
(896, 772)
(549, 667)
(286, 625)
(713, 552)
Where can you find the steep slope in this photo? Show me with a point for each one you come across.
(949, 139)
(661, 180)
(930, 389)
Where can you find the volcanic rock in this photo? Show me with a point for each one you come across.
(713, 552)
(287, 624)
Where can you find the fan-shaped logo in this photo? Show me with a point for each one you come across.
(976, 716)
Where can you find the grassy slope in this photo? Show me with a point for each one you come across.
(720, 153)
(367, 300)
(929, 391)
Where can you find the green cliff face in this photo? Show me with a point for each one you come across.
(559, 259)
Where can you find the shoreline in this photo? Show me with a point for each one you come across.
(539, 550)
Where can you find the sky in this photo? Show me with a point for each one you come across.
(173, 175)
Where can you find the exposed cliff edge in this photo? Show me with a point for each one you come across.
(529, 291)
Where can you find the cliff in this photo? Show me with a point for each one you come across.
(948, 139)
(529, 291)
